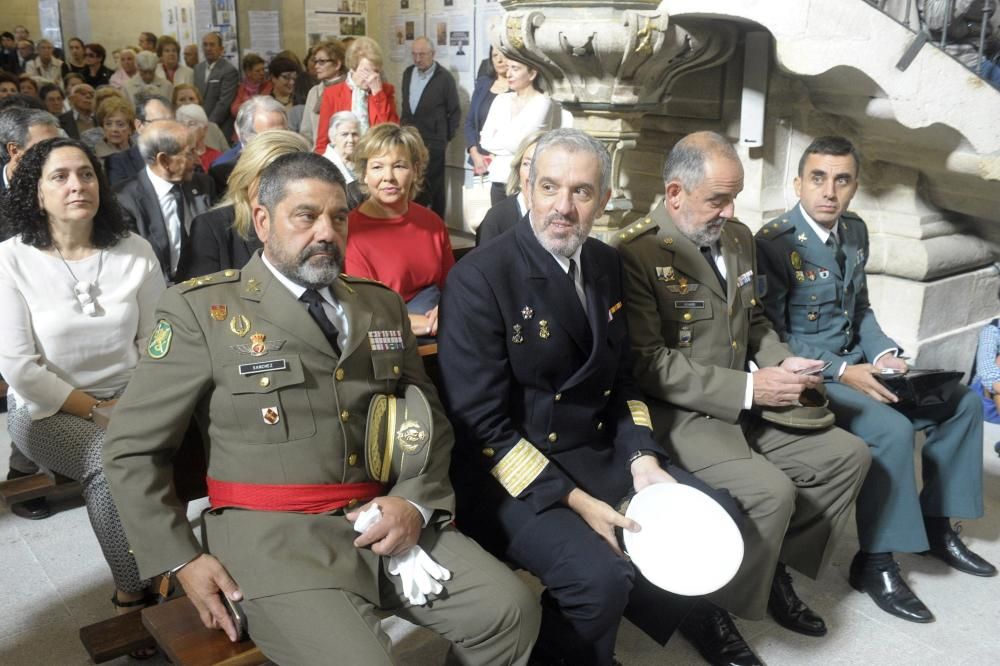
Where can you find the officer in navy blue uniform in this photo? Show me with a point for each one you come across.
(817, 297)
(551, 429)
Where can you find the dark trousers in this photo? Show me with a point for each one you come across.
(433, 194)
(588, 587)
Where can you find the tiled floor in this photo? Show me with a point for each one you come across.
(53, 581)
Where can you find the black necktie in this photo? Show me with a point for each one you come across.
(838, 251)
(178, 196)
(707, 253)
(572, 271)
(316, 311)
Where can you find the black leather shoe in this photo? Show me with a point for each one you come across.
(35, 509)
(887, 588)
(948, 547)
(718, 640)
(788, 610)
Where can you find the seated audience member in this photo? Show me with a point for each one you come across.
(27, 85)
(96, 74)
(328, 63)
(511, 210)
(53, 99)
(491, 82)
(191, 55)
(93, 136)
(147, 42)
(75, 60)
(71, 80)
(146, 81)
(223, 237)
(328, 580)
(216, 80)
(78, 293)
(814, 259)
(258, 114)
(392, 239)
(986, 372)
(115, 118)
(160, 202)
(81, 102)
(186, 93)
(362, 92)
(126, 164)
(193, 117)
(25, 53)
(20, 129)
(284, 73)
(8, 84)
(8, 53)
(696, 327)
(513, 388)
(46, 66)
(344, 135)
(171, 68)
(255, 82)
(512, 117)
(126, 68)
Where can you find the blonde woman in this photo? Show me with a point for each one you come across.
(224, 237)
(115, 117)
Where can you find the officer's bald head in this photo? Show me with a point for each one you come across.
(686, 160)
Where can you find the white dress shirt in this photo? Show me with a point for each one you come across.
(168, 207)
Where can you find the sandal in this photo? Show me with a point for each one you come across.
(144, 601)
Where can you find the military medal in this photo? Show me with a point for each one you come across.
(811, 275)
(270, 415)
(527, 312)
(517, 338)
(239, 325)
(543, 329)
(665, 273)
(800, 276)
(824, 274)
(257, 346)
(744, 279)
(682, 285)
(219, 312)
(253, 287)
(684, 337)
(796, 260)
(812, 315)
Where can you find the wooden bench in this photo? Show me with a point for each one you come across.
(177, 629)
(34, 486)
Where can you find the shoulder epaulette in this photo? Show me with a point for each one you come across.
(775, 228)
(354, 279)
(638, 228)
(220, 277)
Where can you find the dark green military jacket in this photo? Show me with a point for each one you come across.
(301, 422)
(691, 339)
(821, 311)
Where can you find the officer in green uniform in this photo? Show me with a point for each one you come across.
(695, 325)
(278, 363)
(814, 258)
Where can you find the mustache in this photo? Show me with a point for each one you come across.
(321, 248)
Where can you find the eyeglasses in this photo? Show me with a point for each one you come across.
(323, 61)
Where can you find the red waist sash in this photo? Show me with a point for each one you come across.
(298, 498)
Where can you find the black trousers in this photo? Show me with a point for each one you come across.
(433, 194)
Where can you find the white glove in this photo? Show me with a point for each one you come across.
(417, 571)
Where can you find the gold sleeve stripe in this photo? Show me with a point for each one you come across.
(640, 413)
(519, 467)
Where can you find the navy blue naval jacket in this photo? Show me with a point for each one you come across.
(541, 394)
(818, 310)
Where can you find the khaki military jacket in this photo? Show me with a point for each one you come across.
(302, 421)
(692, 339)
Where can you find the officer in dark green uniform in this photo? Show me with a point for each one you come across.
(279, 363)
(814, 259)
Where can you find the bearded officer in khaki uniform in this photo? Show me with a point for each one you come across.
(281, 390)
(696, 325)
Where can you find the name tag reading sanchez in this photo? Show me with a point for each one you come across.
(263, 366)
(689, 305)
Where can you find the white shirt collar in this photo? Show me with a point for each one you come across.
(822, 232)
(296, 288)
(162, 186)
(522, 204)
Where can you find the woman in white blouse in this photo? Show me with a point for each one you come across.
(513, 116)
(78, 293)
